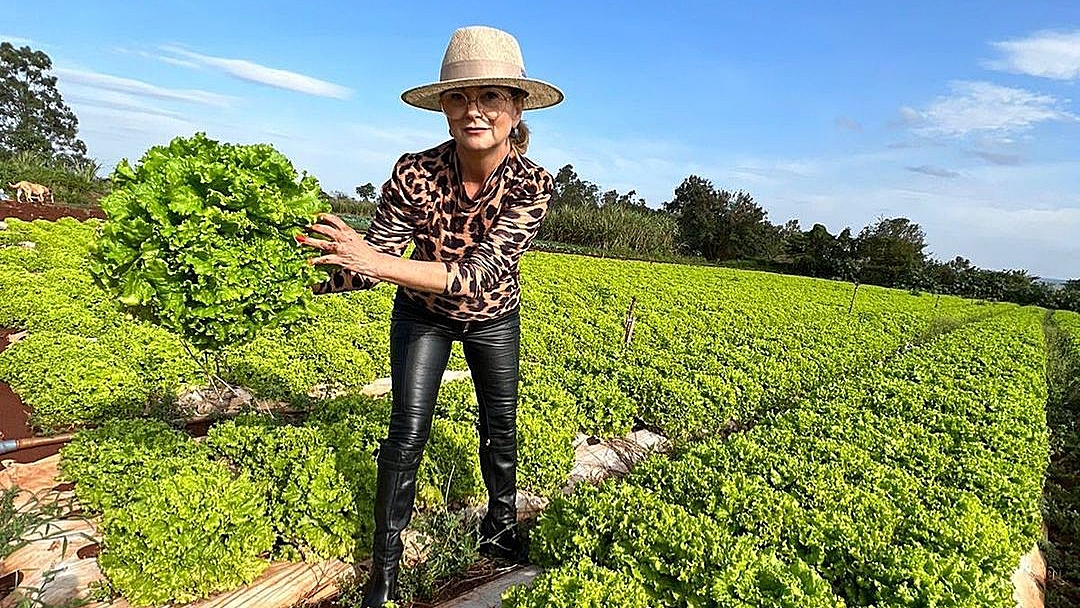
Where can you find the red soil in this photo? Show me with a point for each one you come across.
(34, 211)
(13, 416)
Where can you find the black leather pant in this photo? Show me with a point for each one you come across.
(419, 351)
(420, 344)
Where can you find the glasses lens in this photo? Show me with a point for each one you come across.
(455, 103)
(491, 102)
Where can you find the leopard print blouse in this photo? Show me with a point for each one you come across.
(479, 240)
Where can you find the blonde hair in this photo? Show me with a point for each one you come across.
(519, 137)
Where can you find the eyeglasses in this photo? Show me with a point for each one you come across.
(490, 102)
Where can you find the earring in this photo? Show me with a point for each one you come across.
(515, 132)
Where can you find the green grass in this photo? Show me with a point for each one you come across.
(77, 185)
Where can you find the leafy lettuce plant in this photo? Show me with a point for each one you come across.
(108, 463)
(310, 501)
(188, 535)
(199, 239)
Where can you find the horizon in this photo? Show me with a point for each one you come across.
(959, 117)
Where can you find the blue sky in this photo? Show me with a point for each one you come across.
(962, 116)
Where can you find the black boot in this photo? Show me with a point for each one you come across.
(394, 494)
(499, 534)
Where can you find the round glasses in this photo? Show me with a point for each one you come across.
(490, 103)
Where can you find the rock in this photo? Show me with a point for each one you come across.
(17, 336)
(28, 245)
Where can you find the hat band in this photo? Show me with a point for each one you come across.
(480, 68)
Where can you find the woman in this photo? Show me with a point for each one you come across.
(473, 206)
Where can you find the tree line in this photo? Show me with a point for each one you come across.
(728, 226)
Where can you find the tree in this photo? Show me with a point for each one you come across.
(816, 253)
(1067, 297)
(570, 190)
(33, 116)
(630, 200)
(718, 224)
(366, 192)
(893, 250)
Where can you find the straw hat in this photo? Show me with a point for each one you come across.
(483, 56)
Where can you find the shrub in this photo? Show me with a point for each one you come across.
(547, 422)
(450, 470)
(580, 585)
(67, 390)
(613, 229)
(72, 183)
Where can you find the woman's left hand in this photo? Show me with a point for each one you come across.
(344, 246)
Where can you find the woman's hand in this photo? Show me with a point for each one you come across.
(343, 246)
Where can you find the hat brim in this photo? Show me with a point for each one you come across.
(540, 94)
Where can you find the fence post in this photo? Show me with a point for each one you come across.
(628, 323)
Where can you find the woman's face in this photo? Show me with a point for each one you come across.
(480, 118)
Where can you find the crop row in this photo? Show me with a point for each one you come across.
(85, 361)
(1061, 492)
(710, 347)
(913, 484)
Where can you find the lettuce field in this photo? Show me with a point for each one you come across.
(831, 447)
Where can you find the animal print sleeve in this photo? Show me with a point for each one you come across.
(502, 247)
(396, 219)
(344, 280)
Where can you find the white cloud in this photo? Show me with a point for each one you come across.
(934, 171)
(16, 41)
(651, 167)
(113, 133)
(1045, 54)
(984, 108)
(397, 138)
(998, 158)
(254, 72)
(141, 89)
(110, 120)
(1041, 240)
(914, 144)
(1058, 226)
(191, 65)
(82, 96)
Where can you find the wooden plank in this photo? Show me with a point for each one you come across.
(489, 594)
(34, 478)
(282, 584)
(1029, 580)
(58, 541)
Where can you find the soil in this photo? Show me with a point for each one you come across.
(51, 212)
(13, 419)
